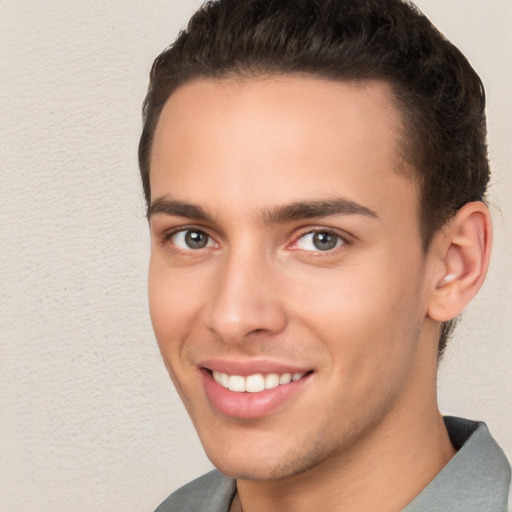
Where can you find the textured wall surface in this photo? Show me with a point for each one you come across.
(88, 417)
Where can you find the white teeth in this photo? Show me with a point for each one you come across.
(285, 378)
(254, 383)
(222, 379)
(236, 383)
(271, 381)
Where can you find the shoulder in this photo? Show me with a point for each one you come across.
(213, 492)
(509, 509)
(477, 478)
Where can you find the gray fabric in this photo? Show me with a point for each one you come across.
(212, 492)
(477, 479)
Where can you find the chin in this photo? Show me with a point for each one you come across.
(250, 471)
(241, 464)
(265, 464)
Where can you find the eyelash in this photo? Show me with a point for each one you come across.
(167, 236)
(343, 239)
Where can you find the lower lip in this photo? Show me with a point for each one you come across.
(249, 405)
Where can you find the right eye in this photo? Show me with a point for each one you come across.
(191, 239)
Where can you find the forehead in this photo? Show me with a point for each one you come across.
(279, 139)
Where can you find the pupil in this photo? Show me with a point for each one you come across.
(324, 241)
(196, 239)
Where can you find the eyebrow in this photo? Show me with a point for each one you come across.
(290, 212)
(168, 206)
(299, 210)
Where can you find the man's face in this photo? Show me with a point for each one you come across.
(286, 250)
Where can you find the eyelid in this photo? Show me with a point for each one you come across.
(347, 239)
(166, 236)
(344, 237)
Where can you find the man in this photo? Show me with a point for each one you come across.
(315, 174)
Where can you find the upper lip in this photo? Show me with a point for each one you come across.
(246, 367)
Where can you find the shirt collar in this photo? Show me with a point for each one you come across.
(477, 478)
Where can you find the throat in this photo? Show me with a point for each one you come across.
(236, 505)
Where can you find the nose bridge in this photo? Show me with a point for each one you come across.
(244, 301)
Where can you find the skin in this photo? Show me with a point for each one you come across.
(364, 431)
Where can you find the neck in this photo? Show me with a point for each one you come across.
(385, 471)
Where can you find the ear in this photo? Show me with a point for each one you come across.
(461, 251)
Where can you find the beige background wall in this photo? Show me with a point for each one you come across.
(89, 421)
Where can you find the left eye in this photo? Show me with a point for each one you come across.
(191, 239)
(319, 241)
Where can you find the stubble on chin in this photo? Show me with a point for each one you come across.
(295, 462)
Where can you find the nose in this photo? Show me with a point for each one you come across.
(245, 301)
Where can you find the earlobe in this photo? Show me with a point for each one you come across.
(463, 248)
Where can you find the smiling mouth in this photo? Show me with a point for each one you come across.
(256, 382)
(249, 393)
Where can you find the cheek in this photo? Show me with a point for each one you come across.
(371, 340)
(364, 313)
(172, 304)
(173, 311)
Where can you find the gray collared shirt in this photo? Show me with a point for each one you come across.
(477, 479)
